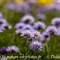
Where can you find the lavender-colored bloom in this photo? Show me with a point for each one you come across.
(2, 21)
(23, 7)
(7, 26)
(41, 16)
(56, 21)
(3, 58)
(19, 31)
(45, 8)
(33, 2)
(1, 16)
(28, 19)
(52, 30)
(35, 45)
(39, 25)
(36, 34)
(13, 48)
(58, 30)
(3, 50)
(19, 25)
(27, 34)
(27, 27)
(11, 6)
(45, 36)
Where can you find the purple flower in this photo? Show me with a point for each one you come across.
(27, 34)
(7, 26)
(19, 25)
(27, 27)
(45, 36)
(28, 19)
(13, 48)
(11, 6)
(58, 30)
(36, 34)
(39, 25)
(56, 22)
(33, 2)
(41, 16)
(3, 50)
(35, 45)
(52, 30)
(19, 31)
(1, 16)
(23, 7)
(3, 58)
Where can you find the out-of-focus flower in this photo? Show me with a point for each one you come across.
(39, 25)
(11, 6)
(41, 16)
(46, 2)
(56, 22)
(19, 31)
(7, 26)
(19, 25)
(3, 58)
(45, 36)
(23, 7)
(13, 48)
(32, 2)
(2, 28)
(58, 30)
(52, 30)
(3, 50)
(35, 45)
(1, 16)
(45, 8)
(28, 19)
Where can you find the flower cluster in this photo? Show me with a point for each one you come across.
(4, 24)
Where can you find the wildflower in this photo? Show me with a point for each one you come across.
(36, 34)
(11, 6)
(39, 25)
(1, 16)
(27, 27)
(58, 30)
(35, 45)
(56, 22)
(27, 34)
(28, 19)
(3, 58)
(19, 31)
(52, 30)
(3, 50)
(7, 26)
(41, 16)
(33, 2)
(23, 7)
(19, 25)
(45, 36)
(13, 48)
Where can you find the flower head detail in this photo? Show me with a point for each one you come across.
(35, 45)
(28, 19)
(52, 30)
(45, 36)
(39, 25)
(56, 22)
(13, 48)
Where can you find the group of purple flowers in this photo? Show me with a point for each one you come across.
(4, 24)
(30, 30)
